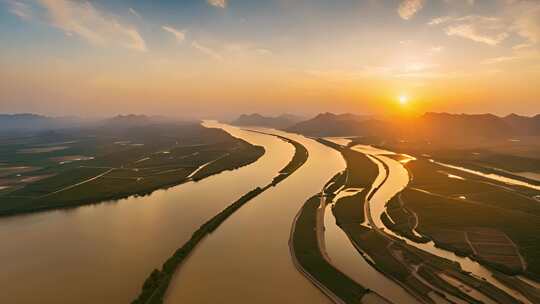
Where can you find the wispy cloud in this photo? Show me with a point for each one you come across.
(82, 19)
(408, 8)
(469, 31)
(20, 9)
(206, 50)
(488, 30)
(218, 3)
(522, 46)
(178, 34)
(245, 49)
(134, 13)
(519, 18)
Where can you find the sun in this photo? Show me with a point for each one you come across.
(403, 100)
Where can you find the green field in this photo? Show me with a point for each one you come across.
(134, 161)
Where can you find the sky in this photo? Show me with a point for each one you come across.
(211, 58)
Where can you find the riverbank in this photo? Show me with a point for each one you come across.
(310, 260)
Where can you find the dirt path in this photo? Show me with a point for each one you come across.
(78, 184)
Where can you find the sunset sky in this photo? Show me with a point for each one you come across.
(199, 58)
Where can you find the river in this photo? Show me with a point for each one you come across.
(344, 256)
(102, 253)
(247, 260)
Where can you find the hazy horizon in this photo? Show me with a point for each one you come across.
(220, 58)
(233, 116)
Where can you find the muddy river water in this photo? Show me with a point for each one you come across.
(103, 253)
(247, 260)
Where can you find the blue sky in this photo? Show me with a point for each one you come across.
(66, 57)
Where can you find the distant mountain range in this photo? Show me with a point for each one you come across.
(26, 121)
(329, 124)
(444, 126)
(524, 125)
(126, 121)
(429, 126)
(280, 122)
(433, 127)
(34, 122)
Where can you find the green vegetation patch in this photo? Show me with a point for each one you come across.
(361, 171)
(335, 183)
(299, 158)
(245, 154)
(430, 177)
(349, 210)
(134, 161)
(308, 255)
(57, 182)
(401, 220)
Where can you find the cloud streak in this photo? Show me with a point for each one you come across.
(488, 30)
(135, 13)
(518, 18)
(470, 32)
(82, 19)
(20, 9)
(178, 34)
(207, 50)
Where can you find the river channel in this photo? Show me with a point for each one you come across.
(247, 260)
(102, 253)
